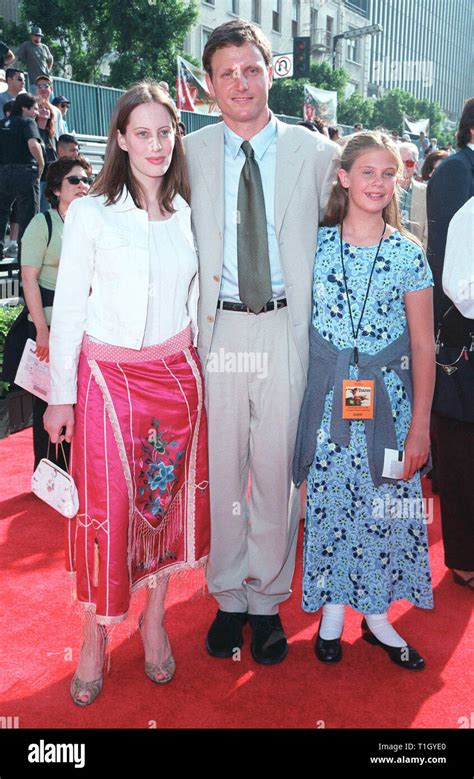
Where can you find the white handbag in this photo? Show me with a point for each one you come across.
(55, 487)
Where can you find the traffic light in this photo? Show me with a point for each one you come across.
(301, 57)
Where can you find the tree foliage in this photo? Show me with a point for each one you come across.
(146, 34)
(287, 94)
(286, 97)
(390, 109)
(356, 109)
(13, 34)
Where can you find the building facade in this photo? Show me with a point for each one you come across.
(426, 49)
(281, 20)
(426, 46)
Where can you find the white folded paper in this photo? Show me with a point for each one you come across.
(32, 373)
(392, 465)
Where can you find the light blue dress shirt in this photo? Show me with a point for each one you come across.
(264, 145)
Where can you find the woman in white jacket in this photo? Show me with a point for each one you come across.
(126, 384)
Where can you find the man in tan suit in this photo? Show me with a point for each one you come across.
(258, 189)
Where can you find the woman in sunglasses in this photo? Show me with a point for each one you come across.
(67, 180)
(412, 194)
(126, 384)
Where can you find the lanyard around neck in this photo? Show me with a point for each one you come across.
(355, 331)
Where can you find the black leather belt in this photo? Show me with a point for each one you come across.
(272, 305)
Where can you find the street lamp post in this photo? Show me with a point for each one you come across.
(372, 29)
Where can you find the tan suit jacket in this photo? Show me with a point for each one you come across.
(305, 171)
(418, 217)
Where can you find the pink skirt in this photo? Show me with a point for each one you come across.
(139, 460)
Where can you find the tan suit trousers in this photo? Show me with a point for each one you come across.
(254, 388)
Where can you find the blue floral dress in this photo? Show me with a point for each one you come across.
(364, 546)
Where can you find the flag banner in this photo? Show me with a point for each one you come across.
(420, 126)
(320, 103)
(191, 90)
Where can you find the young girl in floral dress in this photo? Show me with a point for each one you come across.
(365, 537)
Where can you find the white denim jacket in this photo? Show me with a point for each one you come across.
(103, 283)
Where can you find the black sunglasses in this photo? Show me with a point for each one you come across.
(76, 179)
(63, 105)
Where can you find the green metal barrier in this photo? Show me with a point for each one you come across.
(91, 108)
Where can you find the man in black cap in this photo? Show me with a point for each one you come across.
(63, 104)
(36, 56)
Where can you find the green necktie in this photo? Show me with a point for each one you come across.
(255, 284)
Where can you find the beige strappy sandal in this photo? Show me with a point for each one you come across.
(159, 673)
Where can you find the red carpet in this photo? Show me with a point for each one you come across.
(40, 631)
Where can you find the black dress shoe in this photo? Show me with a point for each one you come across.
(404, 656)
(269, 644)
(225, 633)
(327, 650)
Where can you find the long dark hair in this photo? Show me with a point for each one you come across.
(50, 127)
(463, 136)
(430, 161)
(117, 174)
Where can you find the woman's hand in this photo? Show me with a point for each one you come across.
(42, 344)
(417, 450)
(57, 417)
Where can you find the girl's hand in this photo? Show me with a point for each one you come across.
(42, 344)
(57, 417)
(417, 450)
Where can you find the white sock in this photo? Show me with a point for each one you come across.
(332, 622)
(383, 630)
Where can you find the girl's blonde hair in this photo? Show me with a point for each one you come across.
(352, 148)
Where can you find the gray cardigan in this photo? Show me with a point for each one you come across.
(328, 366)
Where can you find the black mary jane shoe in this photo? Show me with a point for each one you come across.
(328, 651)
(405, 656)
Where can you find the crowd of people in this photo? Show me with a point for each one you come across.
(324, 280)
(33, 134)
